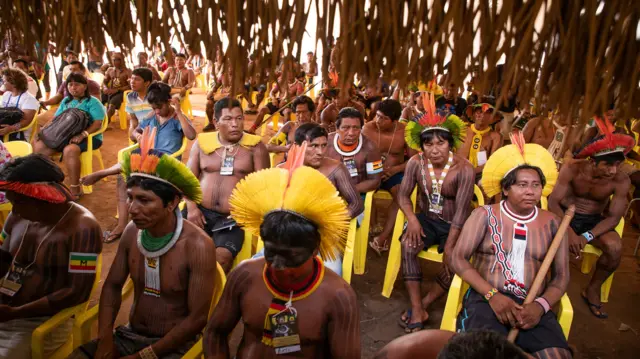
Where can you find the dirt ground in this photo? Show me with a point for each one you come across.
(592, 337)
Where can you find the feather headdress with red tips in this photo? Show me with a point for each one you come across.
(607, 142)
(510, 157)
(431, 120)
(296, 189)
(150, 163)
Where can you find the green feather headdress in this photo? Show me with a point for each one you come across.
(430, 120)
(148, 162)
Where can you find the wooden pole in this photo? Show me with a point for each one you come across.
(546, 264)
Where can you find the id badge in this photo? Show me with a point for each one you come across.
(227, 166)
(436, 203)
(482, 158)
(12, 281)
(350, 163)
(286, 338)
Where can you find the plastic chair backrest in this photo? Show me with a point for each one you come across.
(18, 148)
(221, 280)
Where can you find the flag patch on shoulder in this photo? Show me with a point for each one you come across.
(82, 262)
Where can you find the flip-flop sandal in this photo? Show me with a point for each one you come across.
(600, 314)
(378, 248)
(414, 327)
(110, 237)
(404, 322)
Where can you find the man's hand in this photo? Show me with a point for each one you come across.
(530, 315)
(195, 216)
(183, 92)
(507, 311)
(6, 313)
(5, 129)
(89, 180)
(413, 235)
(576, 244)
(106, 349)
(175, 102)
(388, 173)
(77, 139)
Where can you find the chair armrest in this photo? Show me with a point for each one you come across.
(125, 150)
(195, 352)
(565, 314)
(38, 336)
(182, 148)
(347, 259)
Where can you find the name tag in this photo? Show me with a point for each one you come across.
(482, 158)
(12, 281)
(350, 163)
(227, 166)
(436, 204)
(286, 337)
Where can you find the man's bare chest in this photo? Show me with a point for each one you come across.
(173, 270)
(240, 162)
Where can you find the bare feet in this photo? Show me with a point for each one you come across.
(379, 246)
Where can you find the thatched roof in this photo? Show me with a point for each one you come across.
(581, 53)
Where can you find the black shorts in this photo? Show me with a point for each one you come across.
(273, 108)
(476, 313)
(392, 181)
(584, 222)
(259, 88)
(224, 231)
(435, 231)
(369, 101)
(115, 99)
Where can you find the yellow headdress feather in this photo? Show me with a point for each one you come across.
(507, 158)
(302, 190)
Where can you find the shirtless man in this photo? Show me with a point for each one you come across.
(281, 142)
(599, 191)
(220, 160)
(180, 78)
(322, 305)
(310, 67)
(143, 62)
(330, 113)
(170, 261)
(281, 93)
(48, 253)
(508, 255)
(254, 83)
(481, 140)
(445, 185)
(315, 157)
(116, 82)
(416, 108)
(388, 135)
(358, 153)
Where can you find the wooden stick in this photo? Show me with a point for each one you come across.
(544, 268)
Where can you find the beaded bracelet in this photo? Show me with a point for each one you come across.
(148, 353)
(490, 294)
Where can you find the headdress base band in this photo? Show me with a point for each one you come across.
(435, 128)
(138, 174)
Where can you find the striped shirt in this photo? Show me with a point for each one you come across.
(137, 106)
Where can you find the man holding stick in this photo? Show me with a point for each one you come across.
(508, 242)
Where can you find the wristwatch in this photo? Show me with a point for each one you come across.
(588, 235)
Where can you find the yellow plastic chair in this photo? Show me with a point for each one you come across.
(135, 145)
(84, 322)
(16, 149)
(395, 251)
(185, 105)
(33, 125)
(122, 112)
(39, 334)
(590, 255)
(245, 251)
(479, 195)
(455, 299)
(362, 236)
(200, 82)
(275, 119)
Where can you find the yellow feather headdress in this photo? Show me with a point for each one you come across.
(508, 158)
(296, 189)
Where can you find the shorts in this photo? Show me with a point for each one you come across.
(392, 181)
(224, 231)
(96, 142)
(128, 342)
(476, 313)
(584, 222)
(435, 231)
(92, 66)
(273, 109)
(259, 88)
(115, 99)
(368, 102)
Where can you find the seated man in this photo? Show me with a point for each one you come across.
(282, 92)
(599, 190)
(220, 160)
(171, 127)
(481, 141)
(143, 63)
(17, 96)
(508, 242)
(32, 83)
(414, 109)
(180, 78)
(445, 187)
(281, 141)
(358, 153)
(289, 303)
(548, 133)
(77, 68)
(451, 102)
(254, 83)
(39, 280)
(315, 157)
(170, 261)
(329, 114)
(388, 134)
(116, 82)
(138, 107)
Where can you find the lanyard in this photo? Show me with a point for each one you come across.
(9, 100)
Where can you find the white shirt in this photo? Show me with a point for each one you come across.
(27, 102)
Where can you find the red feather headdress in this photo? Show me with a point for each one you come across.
(51, 192)
(607, 142)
